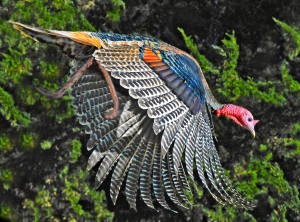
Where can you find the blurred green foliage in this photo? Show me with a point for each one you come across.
(196, 193)
(41, 206)
(115, 14)
(266, 179)
(291, 84)
(234, 86)
(261, 179)
(5, 143)
(75, 153)
(77, 188)
(6, 178)
(6, 213)
(74, 189)
(294, 34)
(11, 112)
(46, 144)
(13, 70)
(28, 140)
(292, 143)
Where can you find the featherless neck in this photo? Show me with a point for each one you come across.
(230, 110)
(234, 112)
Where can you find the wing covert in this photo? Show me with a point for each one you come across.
(142, 82)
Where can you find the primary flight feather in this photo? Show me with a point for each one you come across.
(145, 104)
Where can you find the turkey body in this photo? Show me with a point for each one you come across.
(164, 122)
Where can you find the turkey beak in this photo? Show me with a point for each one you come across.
(251, 128)
(252, 131)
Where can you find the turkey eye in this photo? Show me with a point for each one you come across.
(250, 119)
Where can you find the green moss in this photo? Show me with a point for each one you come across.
(290, 84)
(294, 33)
(25, 65)
(50, 105)
(263, 147)
(227, 214)
(292, 143)
(27, 140)
(6, 213)
(267, 179)
(5, 144)
(44, 199)
(205, 64)
(41, 206)
(28, 95)
(264, 179)
(49, 71)
(294, 147)
(76, 151)
(13, 70)
(115, 14)
(6, 178)
(234, 86)
(68, 111)
(59, 12)
(46, 144)
(76, 188)
(73, 196)
(35, 210)
(279, 214)
(296, 129)
(11, 112)
(220, 215)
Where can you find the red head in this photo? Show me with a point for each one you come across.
(239, 115)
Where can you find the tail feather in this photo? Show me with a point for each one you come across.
(73, 43)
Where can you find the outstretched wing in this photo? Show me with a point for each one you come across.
(164, 113)
(169, 85)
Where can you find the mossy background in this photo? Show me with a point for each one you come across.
(249, 52)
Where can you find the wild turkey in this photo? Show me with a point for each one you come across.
(147, 107)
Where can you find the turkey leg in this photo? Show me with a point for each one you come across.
(59, 93)
(114, 113)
